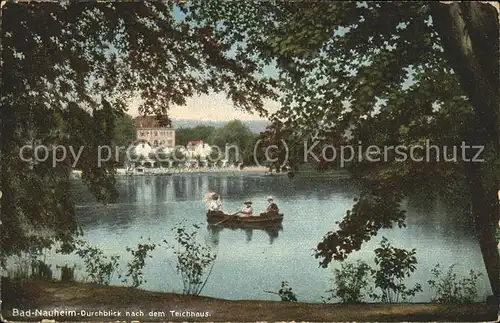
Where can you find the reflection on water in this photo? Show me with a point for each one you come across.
(152, 206)
(214, 232)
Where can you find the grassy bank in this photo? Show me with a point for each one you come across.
(51, 295)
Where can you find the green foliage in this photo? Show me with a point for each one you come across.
(195, 261)
(40, 270)
(134, 268)
(29, 265)
(67, 273)
(200, 132)
(234, 133)
(394, 266)
(124, 131)
(124, 134)
(99, 178)
(98, 266)
(376, 73)
(67, 82)
(349, 71)
(380, 201)
(20, 268)
(292, 154)
(286, 293)
(449, 288)
(350, 282)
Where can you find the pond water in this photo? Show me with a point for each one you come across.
(251, 261)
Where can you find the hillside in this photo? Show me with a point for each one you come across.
(256, 126)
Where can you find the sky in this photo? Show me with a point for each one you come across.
(214, 106)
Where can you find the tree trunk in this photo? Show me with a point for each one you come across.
(469, 35)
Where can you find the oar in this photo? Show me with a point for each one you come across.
(229, 217)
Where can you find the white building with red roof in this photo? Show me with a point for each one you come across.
(198, 148)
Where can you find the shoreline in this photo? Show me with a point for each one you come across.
(76, 174)
(115, 301)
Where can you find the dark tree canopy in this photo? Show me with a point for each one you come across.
(389, 73)
(125, 130)
(68, 70)
(234, 133)
(200, 132)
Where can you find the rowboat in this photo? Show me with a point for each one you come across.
(229, 220)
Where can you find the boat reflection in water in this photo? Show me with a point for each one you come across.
(214, 232)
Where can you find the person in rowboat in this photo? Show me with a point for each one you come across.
(271, 206)
(215, 204)
(247, 210)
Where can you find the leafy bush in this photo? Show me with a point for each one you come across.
(99, 267)
(286, 293)
(40, 270)
(67, 273)
(394, 266)
(350, 282)
(451, 289)
(193, 259)
(28, 265)
(21, 266)
(138, 262)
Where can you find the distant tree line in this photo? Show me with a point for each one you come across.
(234, 133)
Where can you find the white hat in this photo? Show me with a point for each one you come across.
(270, 198)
